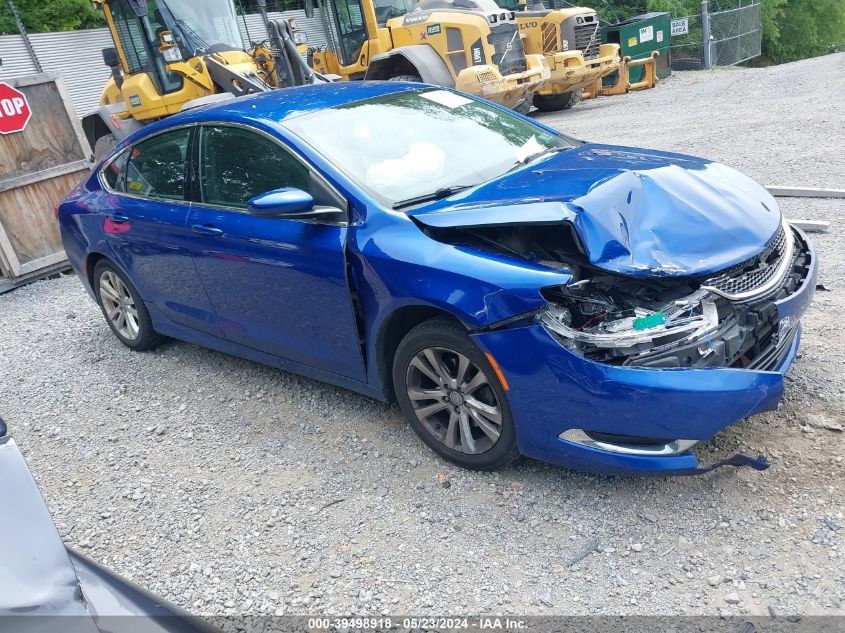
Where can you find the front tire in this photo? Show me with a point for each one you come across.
(555, 103)
(452, 397)
(123, 308)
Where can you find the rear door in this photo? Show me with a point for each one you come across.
(277, 284)
(145, 227)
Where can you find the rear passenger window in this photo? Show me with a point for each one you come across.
(114, 174)
(238, 165)
(156, 167)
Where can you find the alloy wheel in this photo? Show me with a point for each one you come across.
(453, 399)
(119, 305)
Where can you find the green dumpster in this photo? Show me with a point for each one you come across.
(637, 38)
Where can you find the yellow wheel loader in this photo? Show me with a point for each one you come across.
(471, 45)
(169, 55)
(569, 40)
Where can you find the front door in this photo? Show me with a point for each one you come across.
(146, 228)
(277, 285)
(352, 34)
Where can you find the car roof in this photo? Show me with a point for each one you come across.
(275, 106)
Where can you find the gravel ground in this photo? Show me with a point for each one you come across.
(781, 125)
(231, 488)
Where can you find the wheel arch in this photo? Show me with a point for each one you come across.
(91, 261)
(393, 329)
(95, 257)
(419, 59)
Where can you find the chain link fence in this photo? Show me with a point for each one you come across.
(735, 36)
(687, 35)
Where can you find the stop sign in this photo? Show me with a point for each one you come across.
(14, 109)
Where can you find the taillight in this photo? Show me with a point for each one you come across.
(56, 210)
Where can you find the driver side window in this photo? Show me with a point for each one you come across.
(237, 164)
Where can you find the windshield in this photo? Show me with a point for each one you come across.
(411, 144)
(210, 25)
(386, 9)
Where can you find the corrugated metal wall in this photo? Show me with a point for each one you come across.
(76, 55)
(313, 27)
(14, 58)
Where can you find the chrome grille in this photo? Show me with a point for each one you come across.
(753, 273)
(587, 37)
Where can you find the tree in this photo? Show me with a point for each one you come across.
(57, 15)
(792, 29)
(796, 29)
(678, 8)
(609, 11)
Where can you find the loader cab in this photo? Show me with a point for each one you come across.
(136, 42)
(387, 9)
(351, 29)
(151, 34)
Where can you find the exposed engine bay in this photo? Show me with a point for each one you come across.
(722, 320)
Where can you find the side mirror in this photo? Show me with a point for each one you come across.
(286, 201)
(309, 8)
(110, 57)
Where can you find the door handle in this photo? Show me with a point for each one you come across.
(204, 229)
(119, 219)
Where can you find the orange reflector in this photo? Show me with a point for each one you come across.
(498, 371)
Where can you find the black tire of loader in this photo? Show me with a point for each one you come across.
(556, 103)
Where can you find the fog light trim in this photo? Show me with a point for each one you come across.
(676, 447)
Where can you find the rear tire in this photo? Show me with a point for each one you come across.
(555, 103)
(413, 78)
(124, 309)
(452, 397)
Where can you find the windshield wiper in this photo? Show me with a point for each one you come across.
(532, 157)
(443, 192)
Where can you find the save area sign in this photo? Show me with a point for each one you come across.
(680, 26)
(14, 109)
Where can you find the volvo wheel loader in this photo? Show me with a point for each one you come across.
(569, 40)
(471, 45)
(173, 54)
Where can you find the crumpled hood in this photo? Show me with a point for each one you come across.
(637, 212)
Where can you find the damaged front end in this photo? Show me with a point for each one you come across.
(674, 312)
(742, 317)
(730, 319)
(622, 373)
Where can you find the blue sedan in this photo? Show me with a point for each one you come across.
(515, 291)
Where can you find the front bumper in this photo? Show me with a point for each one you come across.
(553, 390)
(570, 71)
(507, 90)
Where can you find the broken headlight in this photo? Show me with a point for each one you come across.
(613, 319)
